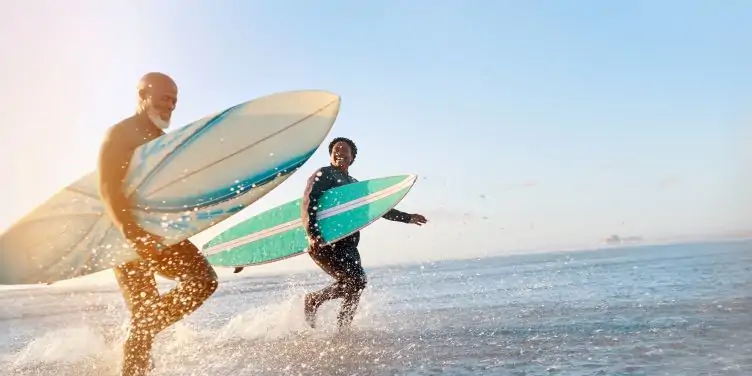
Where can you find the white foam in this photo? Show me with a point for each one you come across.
(73, 344)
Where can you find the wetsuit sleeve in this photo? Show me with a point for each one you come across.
(114, 160)
(397, 216)
(318, 182)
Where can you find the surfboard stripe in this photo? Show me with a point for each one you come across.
(227, 193)
(347, 206)
(263, 139)
(179, 147)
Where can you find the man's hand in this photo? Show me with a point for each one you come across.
(147, 245)
(418, 219)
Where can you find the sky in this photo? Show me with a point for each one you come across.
(533, 125)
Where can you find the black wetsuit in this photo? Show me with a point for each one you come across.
(341, 260)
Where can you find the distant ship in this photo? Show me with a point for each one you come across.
(616, 239)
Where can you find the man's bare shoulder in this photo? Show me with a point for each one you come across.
(122, 128)
(124, 135)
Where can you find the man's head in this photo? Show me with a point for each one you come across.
(342, 152)
(157, 97)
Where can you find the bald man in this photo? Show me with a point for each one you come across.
(196, 279)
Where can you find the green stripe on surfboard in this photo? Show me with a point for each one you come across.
(278, 233)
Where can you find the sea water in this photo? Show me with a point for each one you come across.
(653, 310)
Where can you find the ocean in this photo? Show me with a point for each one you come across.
(651, 310)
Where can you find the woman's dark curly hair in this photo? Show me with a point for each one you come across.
(348, 141)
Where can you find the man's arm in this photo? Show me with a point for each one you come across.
(397, 216)
(114, 159)
(318, 182)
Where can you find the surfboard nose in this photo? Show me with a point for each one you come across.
(306, 104)
(326, 96)
(327, 102)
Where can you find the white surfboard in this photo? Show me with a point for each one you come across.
(180, 184)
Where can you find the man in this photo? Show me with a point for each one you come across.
(341, 260)
(196, 280)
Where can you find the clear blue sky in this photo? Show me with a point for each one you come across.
(531, 124)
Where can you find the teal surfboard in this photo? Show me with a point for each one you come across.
(278, 233)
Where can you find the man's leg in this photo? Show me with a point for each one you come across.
(140, 292)
(151, 313)
(354, 284)
(196, 282)
(325, 259)
(343, 265)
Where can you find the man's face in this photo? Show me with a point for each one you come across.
(161, 99)
(341, 155)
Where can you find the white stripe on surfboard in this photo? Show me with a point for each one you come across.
(350, 205)
(298, 222)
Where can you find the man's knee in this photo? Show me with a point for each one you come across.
(357, 283)
(210, 285)
(207, 280)
(191, 271)
(204, 282)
